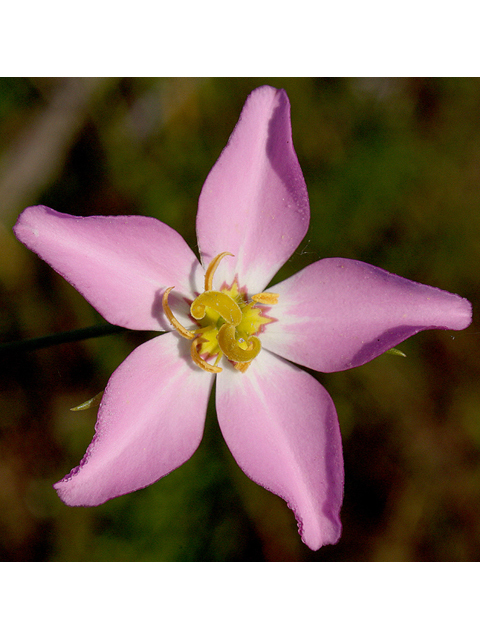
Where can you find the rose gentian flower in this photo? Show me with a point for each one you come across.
(221, 323)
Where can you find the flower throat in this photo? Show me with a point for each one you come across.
(227, 323)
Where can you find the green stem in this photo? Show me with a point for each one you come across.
(96, 331)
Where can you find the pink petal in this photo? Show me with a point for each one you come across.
(254, 202)
(281, 427)
(336, 314)
(120, 264)
(150, 422)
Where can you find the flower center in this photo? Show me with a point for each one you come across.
(227, 323)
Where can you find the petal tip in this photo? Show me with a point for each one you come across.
(321, 530)
(465, 313)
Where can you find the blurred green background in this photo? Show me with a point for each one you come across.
(393, 172)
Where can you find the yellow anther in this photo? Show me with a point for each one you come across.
(212, 267)
(200, 362)
(185, 333)
(227, 323)
(242, 366)
(231, 347)
(266, 298)
(219, 302)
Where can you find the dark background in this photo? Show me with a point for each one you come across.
(392, 168)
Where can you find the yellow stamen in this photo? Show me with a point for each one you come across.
(219, 302)
(266, 298)
(231, 347)
(227, 322)
(200, 361)
(185, 333)
(242, 366)
(212, 267)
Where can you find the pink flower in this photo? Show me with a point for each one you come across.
(278, 421)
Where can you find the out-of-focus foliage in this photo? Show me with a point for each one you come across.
(393, 172)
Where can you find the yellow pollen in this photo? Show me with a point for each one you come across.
(227, 323)
(266, 298)
(242, 366)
